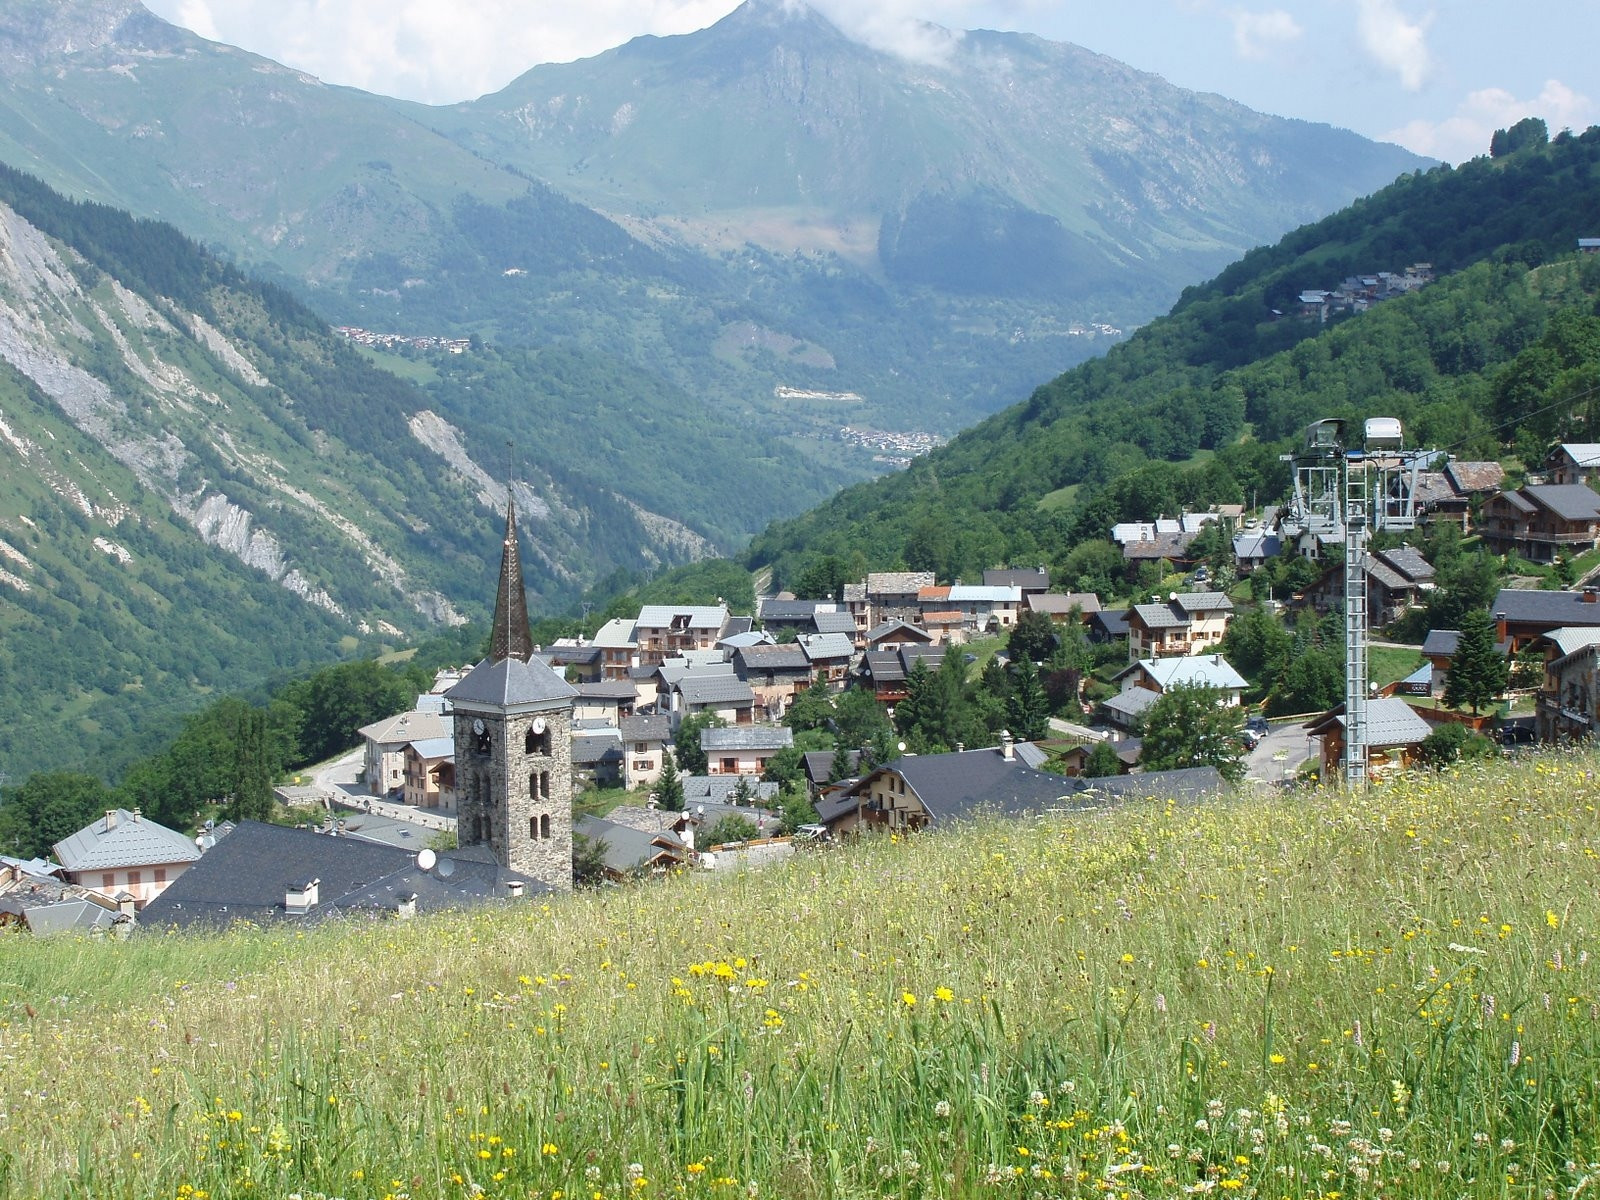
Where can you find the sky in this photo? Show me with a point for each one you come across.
(1438, 77)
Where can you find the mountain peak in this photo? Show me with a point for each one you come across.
(786, 15)
(31, 29)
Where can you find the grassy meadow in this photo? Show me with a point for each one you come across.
(1388, 994)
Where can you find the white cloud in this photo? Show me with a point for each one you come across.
(1257, 34)
(1395, 42)
(1466, 132)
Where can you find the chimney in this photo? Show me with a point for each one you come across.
(127, 906)
(301, 898)
(1589, 595)
(514, 888)
(1500, 627)
(961, 747)
(111, 819)
(1008, 748)
(406, 908)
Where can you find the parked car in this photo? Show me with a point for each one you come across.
(812, 834)
(1258, 725)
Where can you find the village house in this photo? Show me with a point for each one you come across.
(124, 854)
(1398, 580)
(1573, 462)
(1569, 696)
(1395, 730)
(576, 661)
(1030, 581)
(32, 898)
(920, 791)
(384, 762)
(831, 656)
(597, 755)
(606, 700)
(727, 697)
(1202, 670)
(1188, 623)
(430, 774)
(1450, 494)
(1540, 521)
(774, 674)
(628, 852)
(662, 631)
(619, 649)
(1254, 547)
(886, 671)
(644, 743)
(892, 595)
(1523, 614)
(1060, 606)
(743, 751)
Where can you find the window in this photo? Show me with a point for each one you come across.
(161, 875)
(544, 790)
(108, 880)
(544, 825)
(533, 828)
(730, 766)
(133, 879)
(536, 742)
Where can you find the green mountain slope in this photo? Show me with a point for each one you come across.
(203, 486)
(759, 209)
(1223, 382)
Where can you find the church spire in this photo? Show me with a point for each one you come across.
(511, 637)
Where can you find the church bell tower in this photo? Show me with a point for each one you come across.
(513, 743)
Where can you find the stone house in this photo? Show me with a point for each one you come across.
(774, 674)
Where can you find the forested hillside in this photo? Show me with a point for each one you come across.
(1197, 406)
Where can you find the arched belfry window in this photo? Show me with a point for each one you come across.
(537, 739)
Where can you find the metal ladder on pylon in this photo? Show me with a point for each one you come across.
(1357, 515)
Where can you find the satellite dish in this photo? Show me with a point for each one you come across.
(426, 858)
(446, 867)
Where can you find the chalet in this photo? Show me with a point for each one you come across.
(1439, 648)
(266, 874)
(886, 671)
(1589, 245)
(644, 742)
(628, 852)
(1452, 493)
(1254, 547)
(1126, 709)
(779, 613)
(122, 853)
(943, 789)
(1541, 520)
(891, 634)
(1573, 462)
(430, 773)
(1394, 732)
(821, 766)
(1059, 606)
(1200, 670)
(1569, 696)
(1398, 580)
(1108, 625)
(1189, 623)
(743, 751)
(986, 609)
(34, 899)
(1521, 615)
(384, 767)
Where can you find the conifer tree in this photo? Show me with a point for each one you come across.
(1478, 673)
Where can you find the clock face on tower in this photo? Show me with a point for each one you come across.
(480, 736)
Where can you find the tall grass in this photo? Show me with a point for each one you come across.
(1385, 994)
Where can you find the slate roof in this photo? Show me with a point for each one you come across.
(1583, 454)
(574, 656)
(1062, 603)
(1112, 623)
(788, 657)
(899, 583)
(715, 689)
(1390, 722)
(1552, 609)
(1160, 616)
(1518, 501)
(646, 820)
(967, 593)
(607, 689)
(1256, 543)
(898, 629)
(1569, 501)
(789, 611)
(890, 666)
(828, 645)
(746, 737)
(675, 669)
(593, 748)
(954, 787)
(712, 792)
(656, 727)
(834, 622)
(616, 634)
(406, 727)
(511, 682)
(1194, 602)
(627, 849)
(245, 878)
(1027, 578)
(122, 839)
(1408, 561)
(1441, 642)
(1467, 477)
(752, 637)
(818, 763)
